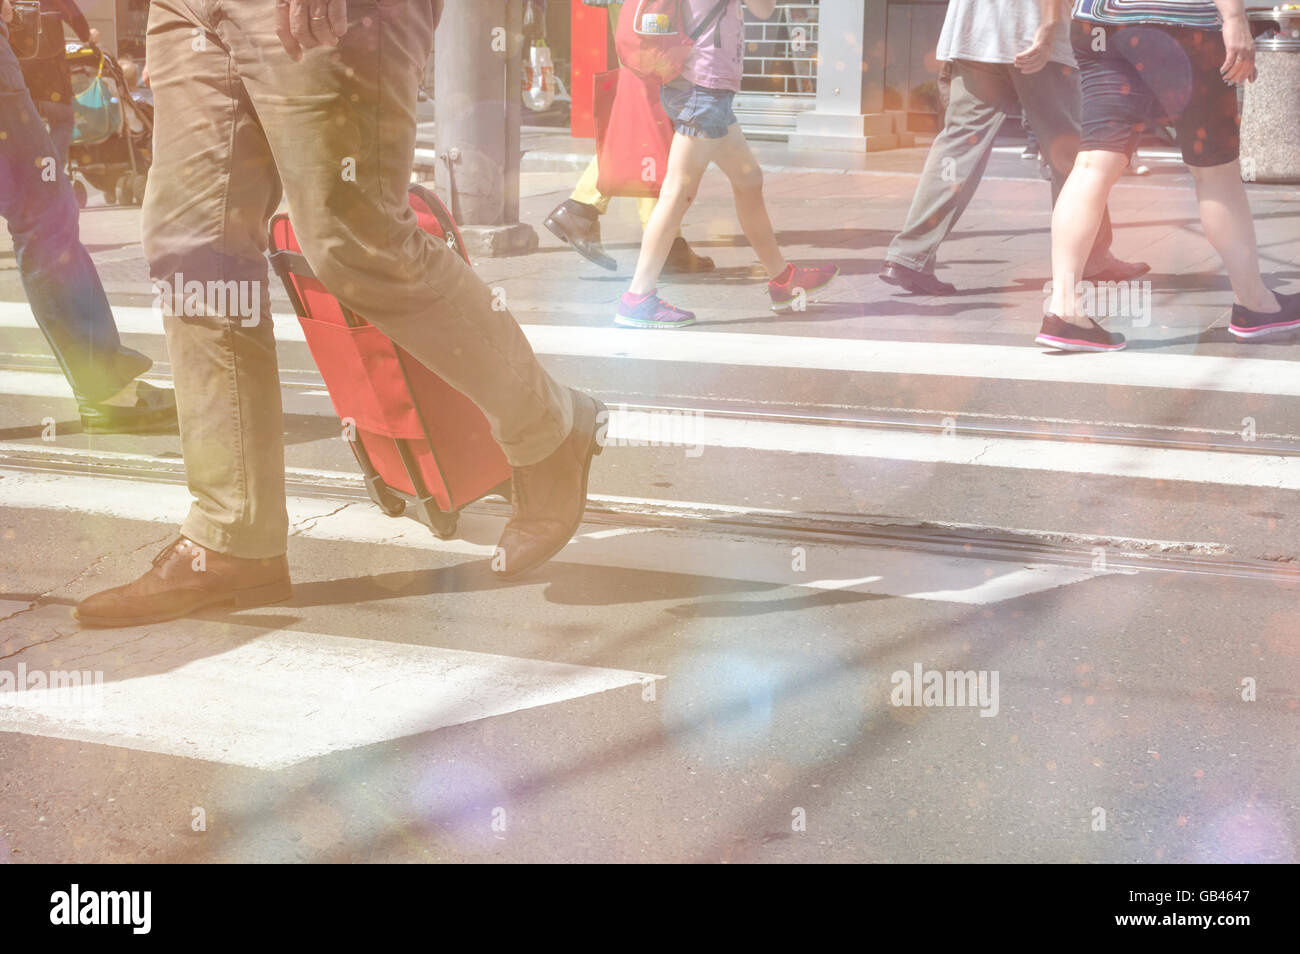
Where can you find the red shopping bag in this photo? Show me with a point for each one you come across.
(655, 37)
(633, 134)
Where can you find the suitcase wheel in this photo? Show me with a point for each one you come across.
(442, 523)
(390, 504)
(444, 527)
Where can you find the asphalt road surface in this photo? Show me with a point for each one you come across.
(1102, 549)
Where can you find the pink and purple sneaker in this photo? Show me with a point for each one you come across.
(650, 311)
(1063, 336)
(799, 282)
(1255, 324)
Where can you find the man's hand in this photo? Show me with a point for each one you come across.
(1239, 65)
(1038, 55)
(6, 11)
(306, 24)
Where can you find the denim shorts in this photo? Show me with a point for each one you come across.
(698, 110)
(1151, 74)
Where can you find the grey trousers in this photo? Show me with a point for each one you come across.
(981, 95)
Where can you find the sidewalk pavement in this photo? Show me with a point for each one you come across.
(547, 149)
(998, 256)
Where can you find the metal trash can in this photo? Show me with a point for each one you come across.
(1270, 113)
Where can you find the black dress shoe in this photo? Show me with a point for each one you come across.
(154, 411)
(550, 497)
(918, 283)
(579, 225)
(683, 260)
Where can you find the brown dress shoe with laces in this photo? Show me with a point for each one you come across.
(549, 497)
(185, 578)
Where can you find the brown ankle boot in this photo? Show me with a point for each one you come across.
(550, 496)
(185, 578)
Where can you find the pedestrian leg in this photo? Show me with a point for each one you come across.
(58, 276)
(1075, 221)
(688, 160)
(1052, 105)
(737, 161)
(981, 94)
(213, 186)
(1228, 225)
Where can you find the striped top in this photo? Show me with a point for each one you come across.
(1199, 14)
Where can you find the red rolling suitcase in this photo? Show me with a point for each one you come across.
(420, 442)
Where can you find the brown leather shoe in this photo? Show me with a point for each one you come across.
(683, 260)
(550, 496)
(1112, 269)
(579, 225)
(185, 578)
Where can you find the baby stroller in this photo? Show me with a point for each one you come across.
(113, 140)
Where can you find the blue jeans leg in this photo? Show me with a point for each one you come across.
(63, 289)
(62, 121)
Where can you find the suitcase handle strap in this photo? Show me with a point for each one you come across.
(292, 263)
(286, 263)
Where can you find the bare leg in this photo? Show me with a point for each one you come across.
(1225, 216)
(738, 163)
(1075, 221)
(688, 160)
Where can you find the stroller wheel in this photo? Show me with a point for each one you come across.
(79, 190)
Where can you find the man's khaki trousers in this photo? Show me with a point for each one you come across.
(235, 119)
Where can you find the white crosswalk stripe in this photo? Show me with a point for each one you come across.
(631, 427)
(1127, 369)
(285, 697)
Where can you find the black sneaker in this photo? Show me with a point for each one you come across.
(154, 411)
(1060, 334)
(1254, 324)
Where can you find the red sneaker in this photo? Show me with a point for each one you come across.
(799, 283)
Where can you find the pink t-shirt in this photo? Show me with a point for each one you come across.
(718, 58)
